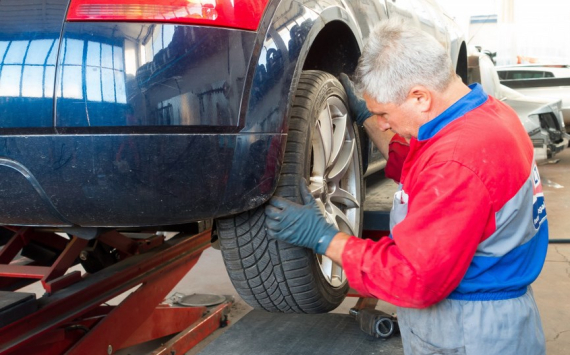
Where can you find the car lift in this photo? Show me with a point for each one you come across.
(73, 316)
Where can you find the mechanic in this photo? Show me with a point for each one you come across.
(468, 226)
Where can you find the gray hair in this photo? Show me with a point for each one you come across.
(399, 56)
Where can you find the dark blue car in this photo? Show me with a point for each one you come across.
(124, 113)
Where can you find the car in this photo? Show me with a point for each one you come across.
(541, 117)
(139, 114)
(539, 80)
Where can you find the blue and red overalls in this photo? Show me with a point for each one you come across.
(469, 234)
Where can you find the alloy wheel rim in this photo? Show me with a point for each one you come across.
(335, 178)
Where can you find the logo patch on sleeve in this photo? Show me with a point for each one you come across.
(535, 176)
(538, 212)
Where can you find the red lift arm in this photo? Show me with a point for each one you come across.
(73, 318)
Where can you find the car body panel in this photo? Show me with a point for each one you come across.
(541, 117)
(550, 137)
(147, 124)
(548, 81)
(553, 88)
(151, 75)
(161, 178)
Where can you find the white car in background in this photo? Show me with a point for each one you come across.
(541, 117)
(533, 71)
(539, 80)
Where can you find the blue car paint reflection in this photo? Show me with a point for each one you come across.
(164, 77)
(130, 124)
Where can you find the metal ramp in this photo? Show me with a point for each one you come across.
(263, 333)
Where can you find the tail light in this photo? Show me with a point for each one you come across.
(241, 14)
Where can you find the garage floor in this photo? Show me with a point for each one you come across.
(552, 289)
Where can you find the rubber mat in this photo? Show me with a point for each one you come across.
(263, 333)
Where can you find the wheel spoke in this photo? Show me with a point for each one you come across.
(328, 268)
(316, 186)
(325, 131)
(319, 153)
(343, 161)
(345, 225)
(344, 197)
(337, 273)
(339, 133)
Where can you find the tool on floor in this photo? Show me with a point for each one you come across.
(376, 323)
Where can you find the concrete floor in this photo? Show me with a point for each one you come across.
(552, 289)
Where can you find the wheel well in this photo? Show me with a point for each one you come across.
(335, 50)
(461, 69)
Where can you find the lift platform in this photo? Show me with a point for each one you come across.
(265, 333)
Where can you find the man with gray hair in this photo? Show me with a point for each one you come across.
(468, 226)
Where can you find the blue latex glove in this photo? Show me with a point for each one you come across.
(302, 225)
(356, 104)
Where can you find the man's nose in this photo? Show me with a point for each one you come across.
(383, 124)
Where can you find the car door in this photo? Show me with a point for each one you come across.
(401, 9)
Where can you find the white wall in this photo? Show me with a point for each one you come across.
(540, 28)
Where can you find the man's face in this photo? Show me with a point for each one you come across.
(404, 119)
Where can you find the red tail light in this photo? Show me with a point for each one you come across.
(242, 14)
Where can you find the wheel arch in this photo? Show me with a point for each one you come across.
(334, 50)
(333, 44)
(317, 30)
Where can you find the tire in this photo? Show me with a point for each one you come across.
(279, 277)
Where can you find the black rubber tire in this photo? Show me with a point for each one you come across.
(270, 274)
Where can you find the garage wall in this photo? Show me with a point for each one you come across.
(524, 28)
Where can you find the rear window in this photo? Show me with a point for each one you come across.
(524, 74)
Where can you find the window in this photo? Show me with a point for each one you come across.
(159, 38)
(27, 68)
(99, 64)
(526, 74)
(105, 73)
(69, 85)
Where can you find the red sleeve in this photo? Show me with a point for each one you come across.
(431, 248)
(397, 152)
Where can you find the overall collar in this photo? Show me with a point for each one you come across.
(475, 98)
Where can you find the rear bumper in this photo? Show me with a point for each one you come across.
(134, 180)
(145, 131)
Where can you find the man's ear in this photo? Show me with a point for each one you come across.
(421, 98)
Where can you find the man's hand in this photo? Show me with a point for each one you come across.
(302, 225)
(356, 103)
